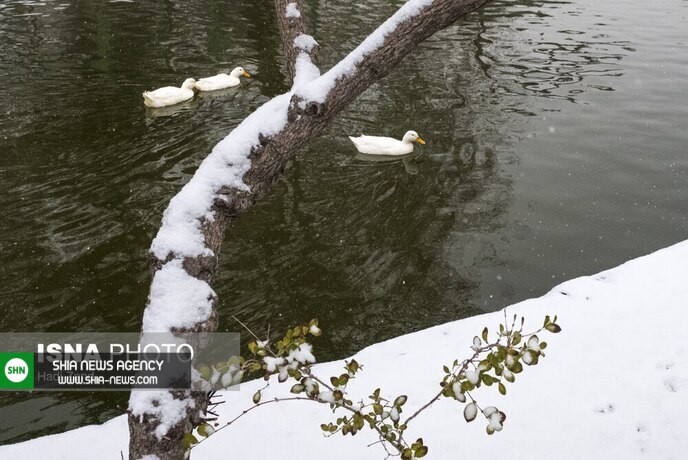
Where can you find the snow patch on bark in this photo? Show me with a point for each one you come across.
(292, 11)
(176, 300)
(168, 410)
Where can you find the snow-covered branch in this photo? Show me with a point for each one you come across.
(300, 49)
(241, 169)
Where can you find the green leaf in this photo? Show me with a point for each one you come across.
(485, 334)
(256, 397)
(205, 430)
(222, 367)
(467, 386)
(516, 339)
(189, 440)
(485, 365)
(547, 321)
(421, 451)
(401, 400)
(553, 328)
(298, 388)
(205, 371)
(502, 388)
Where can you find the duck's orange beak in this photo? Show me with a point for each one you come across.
(420, 141)
(246, 74)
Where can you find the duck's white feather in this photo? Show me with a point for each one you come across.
(222, 80)
(219, 81)
(377, 145)
(169, 95)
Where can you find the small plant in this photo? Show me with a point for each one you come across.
(495, 362)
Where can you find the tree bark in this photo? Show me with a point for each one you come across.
(306, 119)
(291, 26)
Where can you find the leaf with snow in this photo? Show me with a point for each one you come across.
(458, 394)
(528, 357)
(303, 354)
(473, 377)
(534, 343)
(283, 374)
(271, 363)
(476, 343)
(470, 412)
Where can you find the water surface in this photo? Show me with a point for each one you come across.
(557, 148)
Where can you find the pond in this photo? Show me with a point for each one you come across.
(556, 131)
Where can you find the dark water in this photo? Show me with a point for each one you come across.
(557, 135)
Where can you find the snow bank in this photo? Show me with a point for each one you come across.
(614, 384)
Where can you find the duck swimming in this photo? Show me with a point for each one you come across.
(222, 81)
(170, 95)
(376, 145)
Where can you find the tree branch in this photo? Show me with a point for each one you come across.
(299, 48)
(309, 109)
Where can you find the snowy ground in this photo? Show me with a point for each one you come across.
(614, 385)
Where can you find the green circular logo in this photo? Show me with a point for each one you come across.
(16, 370)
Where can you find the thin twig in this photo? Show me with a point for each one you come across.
(246, 327)
(246, 411)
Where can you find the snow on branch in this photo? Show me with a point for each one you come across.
(181, 233)
(300, 49)
(292, 11)
(318, 90)
(305, 70)
(242, 168)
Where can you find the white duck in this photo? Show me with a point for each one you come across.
(170, 95)
(375, 145)
(222, 81)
